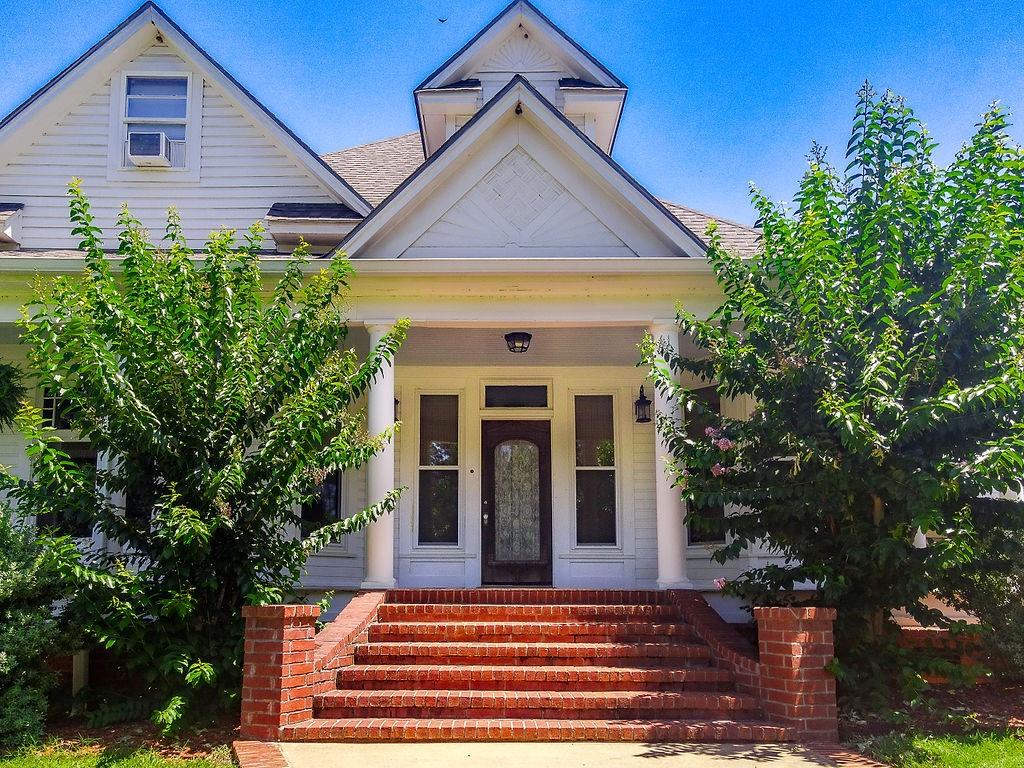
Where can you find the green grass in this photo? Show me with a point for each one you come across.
(110, 757)
(980, 750)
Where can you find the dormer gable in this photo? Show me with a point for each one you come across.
(520, 41)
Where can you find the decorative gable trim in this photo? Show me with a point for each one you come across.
(520, 94)
(91, 69)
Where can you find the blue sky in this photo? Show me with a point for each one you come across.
(721, 94)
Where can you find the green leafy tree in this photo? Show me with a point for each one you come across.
(216, 407)
(30, 630)
(879, 332)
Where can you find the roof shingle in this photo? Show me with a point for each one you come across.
(376, 169)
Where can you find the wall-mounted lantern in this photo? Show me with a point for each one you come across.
(643, 408)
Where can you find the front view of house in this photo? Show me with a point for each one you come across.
(530, 263)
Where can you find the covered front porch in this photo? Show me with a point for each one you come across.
(526, 468)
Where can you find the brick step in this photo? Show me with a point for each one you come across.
(488, 612)
(533, 678)
(529, 632)
(528, 596)
(608, 654)
(411, 729)
(586, 705)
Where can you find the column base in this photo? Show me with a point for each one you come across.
(378, 584)
(684, 584)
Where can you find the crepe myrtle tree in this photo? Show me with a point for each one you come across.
(216, 408)
(879, 333)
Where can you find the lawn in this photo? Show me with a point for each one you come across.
(948, 728)
(93, 756)
(978, 750)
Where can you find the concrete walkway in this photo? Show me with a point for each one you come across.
(556, 755)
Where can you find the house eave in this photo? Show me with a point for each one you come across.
(272, 264)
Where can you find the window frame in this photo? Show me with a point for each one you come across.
(117, 168)
(458, 468)
(616, 468)
(707, 544)
(66, 435)
(517, 413)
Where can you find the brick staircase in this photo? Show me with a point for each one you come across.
(532, 665)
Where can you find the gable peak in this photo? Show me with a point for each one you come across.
(520, 41)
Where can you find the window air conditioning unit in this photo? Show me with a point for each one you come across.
(149, 149)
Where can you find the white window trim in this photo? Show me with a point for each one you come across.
(575, 547)
(460, 468)
(70, 436)
(341, 548)
(116, 170)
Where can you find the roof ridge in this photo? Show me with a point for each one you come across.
(665, 201)
(371, 143)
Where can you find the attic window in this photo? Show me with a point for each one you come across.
(155, 119)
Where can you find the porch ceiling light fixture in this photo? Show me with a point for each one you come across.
(518, 341)
(643, 408)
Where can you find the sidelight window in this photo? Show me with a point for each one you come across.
(438, 497)
(595, 470)
(707, 530)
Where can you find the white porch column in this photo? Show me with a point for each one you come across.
(380, 414)
(672, 536)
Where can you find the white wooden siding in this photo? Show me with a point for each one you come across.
(242, 172)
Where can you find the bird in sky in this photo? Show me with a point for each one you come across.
(442, 20)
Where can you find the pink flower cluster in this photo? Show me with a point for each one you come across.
(718, 470)
(720, 583)
(724, 444)
(712, 432)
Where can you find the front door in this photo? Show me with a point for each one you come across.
(516, 503)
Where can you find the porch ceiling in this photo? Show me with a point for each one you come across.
(598, 346)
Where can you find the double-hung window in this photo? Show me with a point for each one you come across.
(706, 530)
(327, 506)
(596, 520)
(438, 497)
(57, 412)
(155, 121)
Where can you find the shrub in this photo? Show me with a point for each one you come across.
(29, 629)
(992, 588)
(880, 332)
(220, 405)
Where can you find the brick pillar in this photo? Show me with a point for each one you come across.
(277, 675)
(795, 645)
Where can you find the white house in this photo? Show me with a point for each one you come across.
(503, 212)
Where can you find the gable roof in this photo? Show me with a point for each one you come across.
(519, 93)
(39, 104)
(378, 168)
(520, 7)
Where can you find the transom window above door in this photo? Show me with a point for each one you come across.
(516, 396)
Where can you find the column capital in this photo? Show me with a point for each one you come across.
(379, 326)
